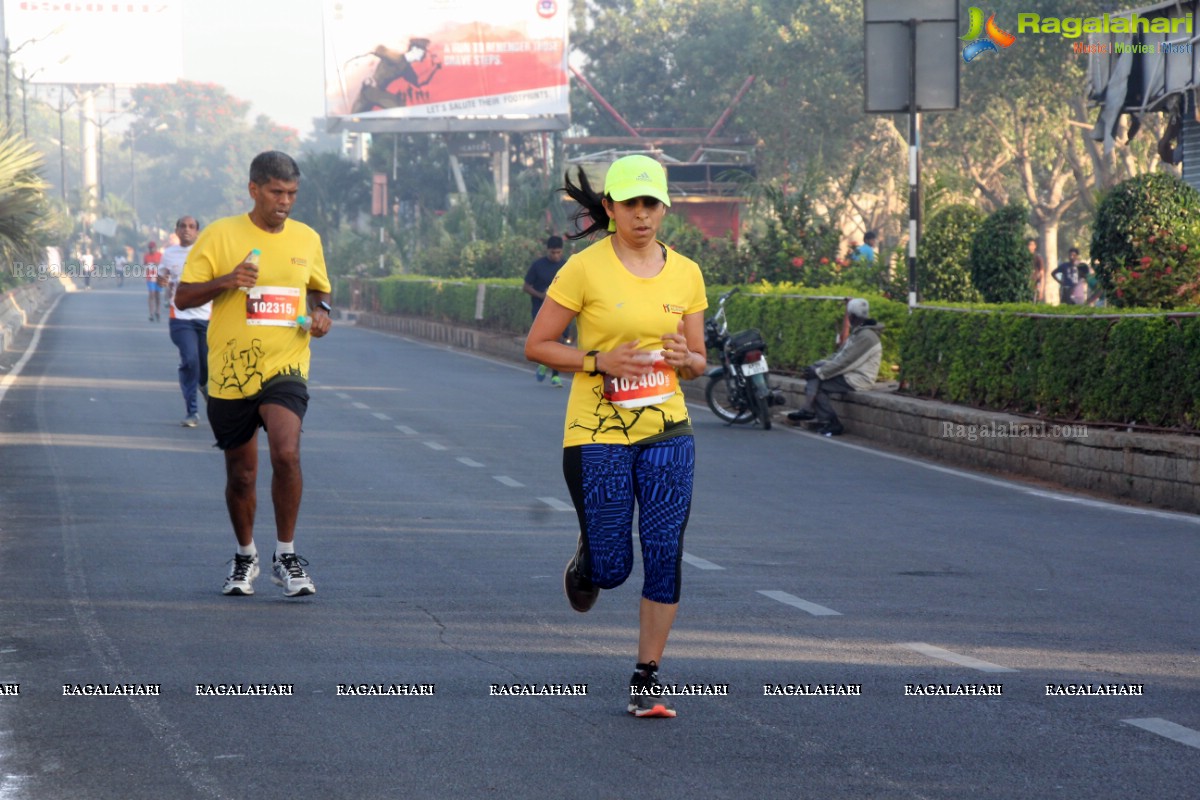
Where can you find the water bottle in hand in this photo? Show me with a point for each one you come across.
(251, 258)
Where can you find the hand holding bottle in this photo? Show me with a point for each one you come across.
(245, 274)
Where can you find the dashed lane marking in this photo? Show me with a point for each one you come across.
(700, 563)
(556, 504)
(803, 605)
(507, 481)
(955, 658)
(1168, 729)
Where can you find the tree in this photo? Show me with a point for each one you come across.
(193, 151)
(26, 217)
(333, 191)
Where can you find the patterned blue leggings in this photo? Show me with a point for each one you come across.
(605, 481)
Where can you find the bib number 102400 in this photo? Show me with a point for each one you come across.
(642, 390)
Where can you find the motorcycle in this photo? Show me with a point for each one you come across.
(738, 390)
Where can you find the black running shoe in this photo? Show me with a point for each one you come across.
(646, 698)
(581, 592)
(832, 429)
(802, 415)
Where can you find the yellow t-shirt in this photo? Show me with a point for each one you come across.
(615, 306)
(253, 336)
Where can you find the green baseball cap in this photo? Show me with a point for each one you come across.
(636, 176)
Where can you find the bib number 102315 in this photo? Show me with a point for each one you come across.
(273, 305)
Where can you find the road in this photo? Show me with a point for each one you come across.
(437, 524)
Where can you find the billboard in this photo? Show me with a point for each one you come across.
(96, 43)
(446, 65)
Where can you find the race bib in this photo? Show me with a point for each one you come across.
(643, 390)
(273, 305)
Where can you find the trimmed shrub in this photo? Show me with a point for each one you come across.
(1146, 243)
(1000, 263)
(944, 255)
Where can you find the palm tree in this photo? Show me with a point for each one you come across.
(26, 216)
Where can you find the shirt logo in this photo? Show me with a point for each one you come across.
(299, 262)
(669, 308)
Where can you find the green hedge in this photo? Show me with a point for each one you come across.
(1134, 369)
(799, 324)
(1065, 363)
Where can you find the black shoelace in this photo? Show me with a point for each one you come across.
(294, 564)
(241, 567)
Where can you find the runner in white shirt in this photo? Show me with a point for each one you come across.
(188, 327)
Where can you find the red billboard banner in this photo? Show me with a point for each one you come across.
(447, 60)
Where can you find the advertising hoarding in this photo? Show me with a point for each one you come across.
(96, 43)
(447, 65)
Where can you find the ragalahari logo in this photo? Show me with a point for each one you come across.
(986, 36)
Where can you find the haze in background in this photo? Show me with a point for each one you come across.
(266, 51)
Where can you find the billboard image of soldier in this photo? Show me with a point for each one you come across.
(420, 60)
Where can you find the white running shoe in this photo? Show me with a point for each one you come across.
(241, 576)
(287, 571)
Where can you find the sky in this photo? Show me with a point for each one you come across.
(269, 52)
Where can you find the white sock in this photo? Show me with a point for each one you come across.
(284, 548)
(248, 550)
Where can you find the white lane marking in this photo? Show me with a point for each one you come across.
(11, 378)
(803, 605)
(1168, 729)
(380, 415)
(434, 445)
(360, 405)
(341, 395)
(11, 785)
(470, 462)
(406, 430)
(955, 658)
(555, 503)
(161, 725)
(507, 481)
(1062, 497)
(700, 563)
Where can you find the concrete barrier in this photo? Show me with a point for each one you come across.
(1161, 470)
(19, 306)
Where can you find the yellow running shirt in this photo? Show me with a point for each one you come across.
(614, 306)
(253, 336)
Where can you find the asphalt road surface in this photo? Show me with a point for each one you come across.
(854, 624)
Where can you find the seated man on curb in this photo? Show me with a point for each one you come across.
(853, 367)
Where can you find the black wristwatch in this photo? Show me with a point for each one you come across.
(328, 308)
(589, 363)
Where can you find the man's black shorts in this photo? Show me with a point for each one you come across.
(234, 422)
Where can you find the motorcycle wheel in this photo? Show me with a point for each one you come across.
(722, 404)
(762, 409)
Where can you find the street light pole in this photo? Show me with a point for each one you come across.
(8, 54)
(62, 143)
(7, 82)
(24, 104)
